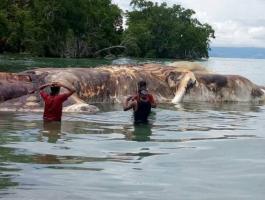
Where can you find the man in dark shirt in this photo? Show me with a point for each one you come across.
(140, 103)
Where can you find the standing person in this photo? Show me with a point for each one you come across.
(54, 101)
(140, 103)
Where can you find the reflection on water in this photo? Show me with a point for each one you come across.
(190, 151)
(52, 130)
(212, 143)
(240, 107)
(140, 132)
(7, 176)
(18, 63)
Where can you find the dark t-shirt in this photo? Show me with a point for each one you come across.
(53, 106)
(143, 108)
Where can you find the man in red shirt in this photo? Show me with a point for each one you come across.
(140, 103)
(54, 101)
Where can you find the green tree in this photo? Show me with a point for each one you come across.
(13, 15)
(76, 28)
(88, 28)
(165, 32)
(73, 28)
(3, 30)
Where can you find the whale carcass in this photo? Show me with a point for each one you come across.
(110, 84)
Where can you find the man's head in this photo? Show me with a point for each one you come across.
(55, 90)
(142, 89)
(142, 85)
(143, 93)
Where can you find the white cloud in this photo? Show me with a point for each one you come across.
(230, 32)
(234, 33)
(257, 32)
(236, 22)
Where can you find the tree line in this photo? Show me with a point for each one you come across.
(93, 28)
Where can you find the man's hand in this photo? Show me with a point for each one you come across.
(129, 98)
(129, 103)
(58, 84)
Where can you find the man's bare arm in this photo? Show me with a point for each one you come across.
(40, 88)
(129, 104)
(153, 101)
(71, 91)
(44, 86)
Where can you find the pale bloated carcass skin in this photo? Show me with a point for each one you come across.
(13, 85)
(225, 88)
(109, 84)
(14, 94)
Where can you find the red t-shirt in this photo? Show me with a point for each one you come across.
(53, 106)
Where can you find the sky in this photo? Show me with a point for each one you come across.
(237, 23)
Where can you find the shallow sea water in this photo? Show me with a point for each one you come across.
(188, 151)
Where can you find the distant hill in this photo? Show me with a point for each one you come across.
(237, 52)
